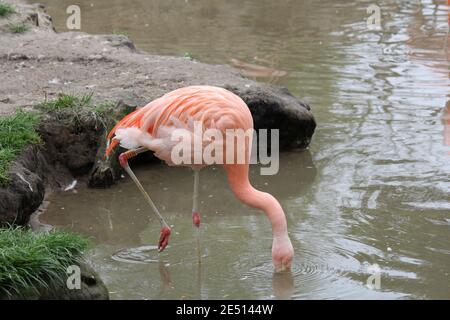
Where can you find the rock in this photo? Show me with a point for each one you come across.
(18, 57)
(277, 108)
(118, 40)
(91, 288)
(104, 172)
(25, 192)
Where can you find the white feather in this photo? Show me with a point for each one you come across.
(128, 137)
(133, 138)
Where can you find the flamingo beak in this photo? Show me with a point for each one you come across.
(164, 238)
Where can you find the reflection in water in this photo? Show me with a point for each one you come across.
(446, 120)
(282, 282)
(374, 188)
(165, 275)
(258, 71)
(144, 254)
(283, 285)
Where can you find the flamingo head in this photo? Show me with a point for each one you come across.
(282, 253)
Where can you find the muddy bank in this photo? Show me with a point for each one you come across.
(41, 63)
(68, 150)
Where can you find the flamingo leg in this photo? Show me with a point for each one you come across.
(195, 213)
(165, 229)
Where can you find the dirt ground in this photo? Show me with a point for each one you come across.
(42, 63)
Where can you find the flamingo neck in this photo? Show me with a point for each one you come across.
(247, 194)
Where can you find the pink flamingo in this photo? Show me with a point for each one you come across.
(151, 127)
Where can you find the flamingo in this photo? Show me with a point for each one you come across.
(150, 129)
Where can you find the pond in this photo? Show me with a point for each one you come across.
(369, 198)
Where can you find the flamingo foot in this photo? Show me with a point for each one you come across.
(164, 238)
(196, 219)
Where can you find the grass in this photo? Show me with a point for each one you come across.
(188, 56)
(121, 33)
(6, 9)
(65, 101)
(30, 261)
(18, 28)
(16, 132)
(74, 109)
(103, 109)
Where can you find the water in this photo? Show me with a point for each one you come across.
(373, 188)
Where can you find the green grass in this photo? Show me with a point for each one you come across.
(188, 56)
(30, 261)
(103, 108)
(16, 132)
(18, 28)
(64, 101)
(6, 9)
(74, 109)
(121, 33)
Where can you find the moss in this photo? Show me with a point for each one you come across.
(31, 262)
(16, 132)
(121, 33)
(18, 28)
(6, 9)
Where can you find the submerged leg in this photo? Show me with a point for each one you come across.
(195, 213)
(165, 229)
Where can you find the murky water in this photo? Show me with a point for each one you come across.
(374, 187)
